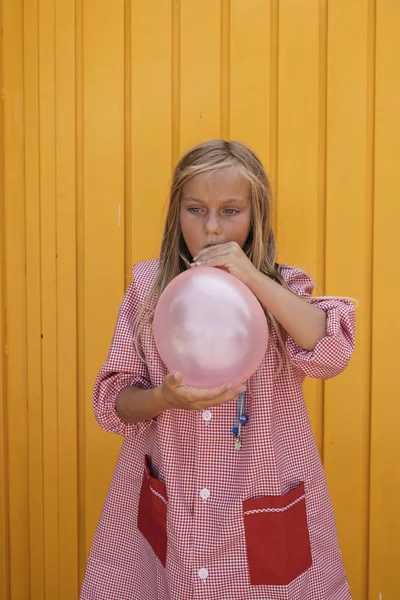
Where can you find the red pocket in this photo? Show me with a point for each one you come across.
(277, 539)
(152, 513)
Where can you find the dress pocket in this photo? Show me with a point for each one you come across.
(277, 538)
(152, 513)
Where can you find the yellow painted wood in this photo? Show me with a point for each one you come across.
(103, 226)
(384, 552)
(15, 301)
(149, 136)
(48, 216)
(80, 289)
(66, 257)
(300, 200)
(348, 259)
(200, 70)
(250, 92)
(33, 291)
(99, 101)
(4, 524)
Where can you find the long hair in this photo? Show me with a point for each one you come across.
(260, 246)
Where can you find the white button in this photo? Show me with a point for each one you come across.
(207, 415)
(205, 493)
(203, 573)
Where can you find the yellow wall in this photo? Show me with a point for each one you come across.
(99, 100)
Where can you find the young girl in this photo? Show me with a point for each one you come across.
(189, 515)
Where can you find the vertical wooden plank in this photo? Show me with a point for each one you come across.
(128, 208)
(348, 272)
(33, 290)
(4, 509)
(48, 218)
(385, 445)
(175, 82)
(225, 75)
(66, 298)
(300, 199)
(200, 55)
(274, 85)
(250, 79)
(151, 154)
(15, 298)
(80, 289)
(103, 192)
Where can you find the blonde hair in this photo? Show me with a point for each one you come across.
(260, 246)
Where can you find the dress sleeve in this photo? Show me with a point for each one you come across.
(122, 368)
(332, 353)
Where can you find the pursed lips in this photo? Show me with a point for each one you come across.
(213, 244)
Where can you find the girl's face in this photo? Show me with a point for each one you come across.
(215, 209)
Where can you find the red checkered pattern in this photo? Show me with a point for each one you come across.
(228, 525)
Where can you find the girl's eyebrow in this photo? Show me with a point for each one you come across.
(238, 199)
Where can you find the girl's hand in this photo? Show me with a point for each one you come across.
(177, 395)
(231, 257)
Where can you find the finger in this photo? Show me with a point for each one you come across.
(199, 394)
(223, 247)
(221, 250)
(221, 260)
(221, 399)
(217, 253)
(230, 394)
(174, 379)
(218, 395)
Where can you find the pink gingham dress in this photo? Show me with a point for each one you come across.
(188, 517)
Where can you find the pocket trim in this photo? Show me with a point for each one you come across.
(277, 537)
(152, 513)
(151, 488)
(282, 509)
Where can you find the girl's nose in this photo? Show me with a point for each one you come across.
(212, 225)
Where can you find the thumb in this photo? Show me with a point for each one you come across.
(174, 379)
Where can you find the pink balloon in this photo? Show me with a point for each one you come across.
(210, 327)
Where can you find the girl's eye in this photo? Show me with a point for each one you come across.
(229, 211)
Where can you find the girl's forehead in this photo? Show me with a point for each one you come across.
(226, 181)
